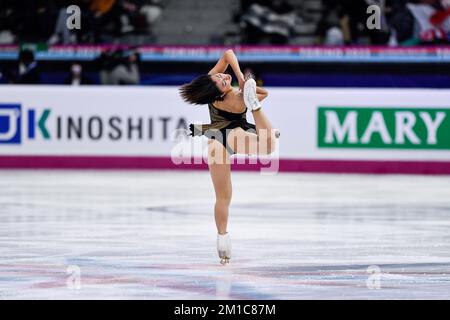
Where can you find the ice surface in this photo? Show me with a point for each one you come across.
(151, 235)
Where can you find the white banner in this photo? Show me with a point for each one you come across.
(352, 124)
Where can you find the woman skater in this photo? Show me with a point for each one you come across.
(229, 132)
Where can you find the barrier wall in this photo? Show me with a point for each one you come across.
(326, 130)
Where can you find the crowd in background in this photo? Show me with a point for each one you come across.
(103, 21)
(262, 21)
(403, 22)
(343, 22)
(266, 21)
(115, 67)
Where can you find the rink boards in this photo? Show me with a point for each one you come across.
(322, 130)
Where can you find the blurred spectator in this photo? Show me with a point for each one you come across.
(403, 22)
(441, 17)
(331, 20)
(61, 34)
(115, 18)
(334, 37)
(76, 76)
(105, 18)
(28, 72)
(345, 21)
(34, 19)
(101, 20)
(152, 10)
(268, 22)
(119, 68)
(107, 61)
(7, 21)
(422, 22)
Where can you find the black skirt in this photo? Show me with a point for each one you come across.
(222, 122)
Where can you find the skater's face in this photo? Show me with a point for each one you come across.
(222, 81)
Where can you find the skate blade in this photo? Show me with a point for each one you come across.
(277, 133)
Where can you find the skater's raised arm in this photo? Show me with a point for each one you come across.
(229, 59)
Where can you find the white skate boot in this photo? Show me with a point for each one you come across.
(250, 98)
(224, 248)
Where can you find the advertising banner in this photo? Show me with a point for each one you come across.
(354, 125)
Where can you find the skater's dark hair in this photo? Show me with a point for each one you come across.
(201, 90)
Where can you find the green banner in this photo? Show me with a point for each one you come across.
(39, 46)
(383, 128)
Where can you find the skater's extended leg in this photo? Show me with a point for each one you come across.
(261, 143)
(264, 131)
(220, 170)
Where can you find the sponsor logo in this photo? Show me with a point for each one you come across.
(18, 125)
(10, 123)
(383, 128)
(38, 122)
(11, 120)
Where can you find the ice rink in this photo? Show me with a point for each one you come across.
(151, 235)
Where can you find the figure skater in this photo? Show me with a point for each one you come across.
(229, 132)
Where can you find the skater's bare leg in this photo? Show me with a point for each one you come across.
(262, 143)
(264, 129)
(220, 171)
